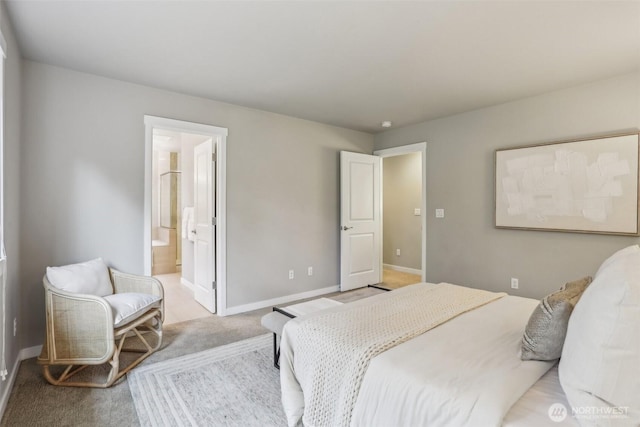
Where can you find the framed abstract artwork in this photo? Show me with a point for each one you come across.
(580, 186)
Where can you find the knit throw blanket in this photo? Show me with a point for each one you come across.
(333, 350)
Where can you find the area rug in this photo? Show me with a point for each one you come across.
(230, 385)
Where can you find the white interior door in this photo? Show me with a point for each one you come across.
(361, 222)
(204, 221)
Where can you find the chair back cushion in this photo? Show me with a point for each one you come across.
(129, 306)
(91, 277)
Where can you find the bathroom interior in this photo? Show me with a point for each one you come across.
(166, 235)
(172, 257)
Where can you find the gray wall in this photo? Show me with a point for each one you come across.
(402, 189)
(83, 184)
(464, 247)
(11, 167)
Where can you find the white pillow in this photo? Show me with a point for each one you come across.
(617, 256)
(129, 306)
(91, 277)
(600, 364)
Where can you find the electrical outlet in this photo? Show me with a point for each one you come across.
(310, 271)
(398, 252)
(15, 326)
(291, 275)
(439, 213)
(514, 283)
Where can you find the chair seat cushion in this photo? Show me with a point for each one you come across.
(91, 277)
(129, 306)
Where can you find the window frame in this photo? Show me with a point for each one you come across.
(3, 256)
(3, 56)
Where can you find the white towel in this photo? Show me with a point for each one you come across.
(188, 230)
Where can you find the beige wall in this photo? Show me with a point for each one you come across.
(83, 187)
(465, 247)
(402, 190)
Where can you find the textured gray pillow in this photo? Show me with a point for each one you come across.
(544, 335)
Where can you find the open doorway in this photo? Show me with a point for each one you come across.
(403, 214)
(172, 237)
(166, 203)
(184, 234)
(361, 216)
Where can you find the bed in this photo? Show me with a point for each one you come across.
(465, 368)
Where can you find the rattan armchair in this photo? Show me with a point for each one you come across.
(84, 330)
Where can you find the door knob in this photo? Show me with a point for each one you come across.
(345, 228)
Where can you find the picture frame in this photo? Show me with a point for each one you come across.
(577, 186)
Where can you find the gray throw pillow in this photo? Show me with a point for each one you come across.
(544, 335)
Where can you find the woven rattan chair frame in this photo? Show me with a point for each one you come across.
(80, 331)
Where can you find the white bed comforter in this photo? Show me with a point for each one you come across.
(464, 372)
(333, 348)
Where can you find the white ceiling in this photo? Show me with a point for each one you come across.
(351, 64)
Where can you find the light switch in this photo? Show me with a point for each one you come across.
(439, 213)
(416, 211)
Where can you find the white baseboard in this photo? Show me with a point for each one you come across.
(7, 391)
(280, 300)
(25, 353)
(186, 283)
(403, 269)
(28, 353)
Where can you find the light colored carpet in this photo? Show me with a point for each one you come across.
(35, 403)
(232, 385)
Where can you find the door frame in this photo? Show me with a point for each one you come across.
(420, 147)
(218, 134)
